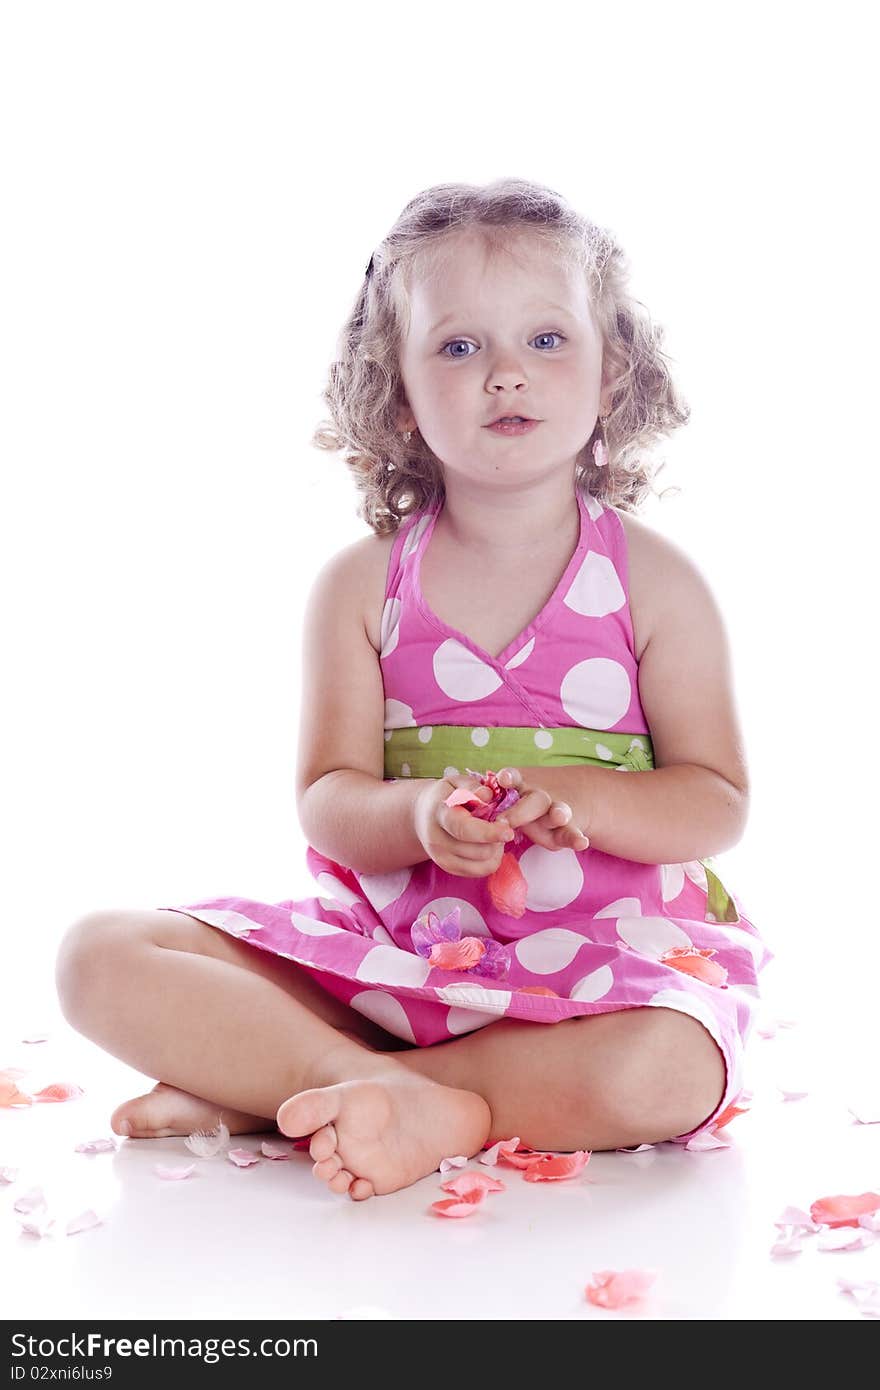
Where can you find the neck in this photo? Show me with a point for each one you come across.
(506, 525)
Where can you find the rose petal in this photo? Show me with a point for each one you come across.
(866, 1109)
(458, 1161)
(60, 1090)
(844, 1210)
(705, 1140)
(243, 1158)
(276, 1148)
(870, 1220)
(207, 1143)
(612, 1288)
(460, 1206)
(173, 1174)
(457, 955)
(537, 989)
(10, 1094)
(790, 1244)
(30, 1200)
(38, 1224)
(845, 1238)
(96, 1146)
(792, 1095)
(690, 961)
(8, 1174)
(524, 1158)
(866, 1294)
(557, 1167)
(84, 1222)
(472, 1181)
(797, 1217)
(507, 887)
(505, 1146)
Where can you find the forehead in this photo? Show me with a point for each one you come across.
(467, 273)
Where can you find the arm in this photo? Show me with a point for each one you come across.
(694, 803)
(345, 808)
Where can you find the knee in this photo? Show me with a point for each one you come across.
(84, 961)
(674, 1078)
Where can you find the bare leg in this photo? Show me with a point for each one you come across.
(240, 1041)
(603, 1081)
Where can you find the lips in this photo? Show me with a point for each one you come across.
(526, 418)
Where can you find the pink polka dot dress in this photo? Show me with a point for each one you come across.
(596, 933)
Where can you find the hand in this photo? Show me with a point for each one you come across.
(545, 821)
(457, 841)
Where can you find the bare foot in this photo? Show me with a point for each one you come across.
(166, 1110)
(373, 1135)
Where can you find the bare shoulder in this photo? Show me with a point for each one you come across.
(656, 566)
(364, 567)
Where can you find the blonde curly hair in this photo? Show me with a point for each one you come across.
(364, 389)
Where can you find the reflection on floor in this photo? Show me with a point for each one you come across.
(271, 1241)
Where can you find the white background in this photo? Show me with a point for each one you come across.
(191, 194)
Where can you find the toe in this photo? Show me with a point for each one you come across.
(360, 1188)
(342, 1182)
(328, 1167)
(323, 1143)
(307, 1111)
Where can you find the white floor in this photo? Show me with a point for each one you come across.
(271, 1241)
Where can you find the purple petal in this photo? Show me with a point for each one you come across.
(495, 964)
(426, 934)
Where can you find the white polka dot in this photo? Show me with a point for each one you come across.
(671, 881)
(593, 506)
(425, 734)
(383, 936)
(543, 738)
(388, 965)
(593, 986)
(382, 889)
(466, 1020)
(331, 884)
(390, 628)
(491, 1001)
(311, 926)
(480, 737)
(461, 674)
(651, 935)
(404, 770)
(450, 771)
(596, 693)
(624, 907)
(398, 715)
(388, 733)
(596, 589)
(414, 535)
(522, 655)
(547, 951)
(697, 874)
(234, 923)
(554, 878)
(604, 753)
(687, 1003)
(471, 919)
(385, 1010)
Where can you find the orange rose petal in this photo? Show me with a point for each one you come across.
(558, 1166)
(460, 1206)
(60, 1090)
(610, 1288)
(468, 1183)
(11, 1095)
(523, 1159)
(697, 964)
(492, 1155)
(537, 989)
(844, 1210)
(507, 887)
(457, 955)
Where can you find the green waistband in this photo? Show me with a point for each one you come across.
(427, 751)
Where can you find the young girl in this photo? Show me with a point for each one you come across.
(477, 671)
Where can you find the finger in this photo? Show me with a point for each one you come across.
(461, 825)
(530, 807)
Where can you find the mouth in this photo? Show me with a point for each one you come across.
(511, 425)
(512, 419)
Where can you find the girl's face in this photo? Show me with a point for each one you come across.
(502, 336)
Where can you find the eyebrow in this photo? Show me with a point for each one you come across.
(450, 318)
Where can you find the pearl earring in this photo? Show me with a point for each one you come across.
(407, 435)
(600, 447)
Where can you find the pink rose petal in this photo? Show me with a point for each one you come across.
(10, 1094)
(556, 1167)
(844, 1210)
(797, 1217)
(30, 1200)
(8, 1174)
(243, 1158)
(459, 1161)
(845, 1238)
(705, 1140)
(790, 1244)
(84, 1222)
(171, 1173)
(870, 1220)
(276, 1149)
(502, 1146)
(60, 1090)
(467, 1183)
(792, 1095)
(865, 1292)
(96, 1146)
(39, 1223)
(612, 1288)
(460, 1206)
(866, 1108)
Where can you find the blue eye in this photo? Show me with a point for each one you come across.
(452, 342)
